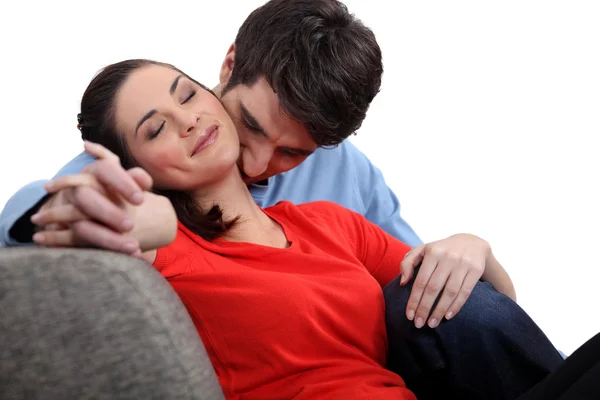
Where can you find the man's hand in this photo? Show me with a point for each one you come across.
(90, 209)
(453, 265)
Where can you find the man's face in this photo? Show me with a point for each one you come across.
(270, 141)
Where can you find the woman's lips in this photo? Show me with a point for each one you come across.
(208, 137)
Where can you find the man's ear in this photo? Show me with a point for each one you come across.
(227, 66)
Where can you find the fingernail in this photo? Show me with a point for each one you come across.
(38, 237)
(449, 315)
(130, 247)
(433, 322)
(402, 280)
(126, 225)
(137, 197)
(49, 186)
(410, 314)
(420, 322)
(35, 218)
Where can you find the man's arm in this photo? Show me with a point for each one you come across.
(15, 227)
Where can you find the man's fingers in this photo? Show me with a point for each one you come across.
(117, 180)
(55, 227)
(91, 233)
(87, 233)
(55, 238)
(70, 181)
(97, 207)
(64, 214)
(100, 152)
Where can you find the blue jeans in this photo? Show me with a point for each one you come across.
(490, 350)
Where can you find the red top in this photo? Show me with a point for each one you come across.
(305, 322)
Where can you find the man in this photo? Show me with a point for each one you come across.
(299, 78)
(327, 103)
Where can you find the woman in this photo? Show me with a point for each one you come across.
(287, 300)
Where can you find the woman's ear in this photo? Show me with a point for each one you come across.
(227, 66)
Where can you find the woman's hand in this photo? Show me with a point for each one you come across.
(90, 209)
(72, 214)
(451, 267)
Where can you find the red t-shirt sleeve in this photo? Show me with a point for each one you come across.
(380, 252)
(175, 258)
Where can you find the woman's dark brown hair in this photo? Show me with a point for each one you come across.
(97, 124)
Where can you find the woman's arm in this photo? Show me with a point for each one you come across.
(450, 267)
(154, 222)
(496, 275)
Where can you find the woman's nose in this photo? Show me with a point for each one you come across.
(189, 122)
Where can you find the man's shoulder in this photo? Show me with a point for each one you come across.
(329, 174)
(344, 163)
(331, 164)
(76, 165)
(344, 154)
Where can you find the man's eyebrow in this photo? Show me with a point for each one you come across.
(146, 117)
(256, 125)
(300, 152)
(174, 85)
(251, 120)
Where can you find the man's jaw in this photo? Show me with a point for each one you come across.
(251, 180)
(247, 180)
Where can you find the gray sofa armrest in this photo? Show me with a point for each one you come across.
(90, 324)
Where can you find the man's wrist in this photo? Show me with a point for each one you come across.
(23, 229)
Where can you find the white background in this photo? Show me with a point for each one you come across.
(486, 123)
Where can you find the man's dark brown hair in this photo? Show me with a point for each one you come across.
(322, 62)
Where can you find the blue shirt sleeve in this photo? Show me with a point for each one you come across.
(381, 206)
(28, 196)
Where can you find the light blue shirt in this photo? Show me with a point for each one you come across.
(343, 175)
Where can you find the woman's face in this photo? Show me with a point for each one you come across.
(174, 129)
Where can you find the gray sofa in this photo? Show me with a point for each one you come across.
(90, 324)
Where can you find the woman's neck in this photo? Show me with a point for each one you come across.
(235, 201)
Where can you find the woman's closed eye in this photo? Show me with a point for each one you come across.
(154, 133)
(189, 97)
